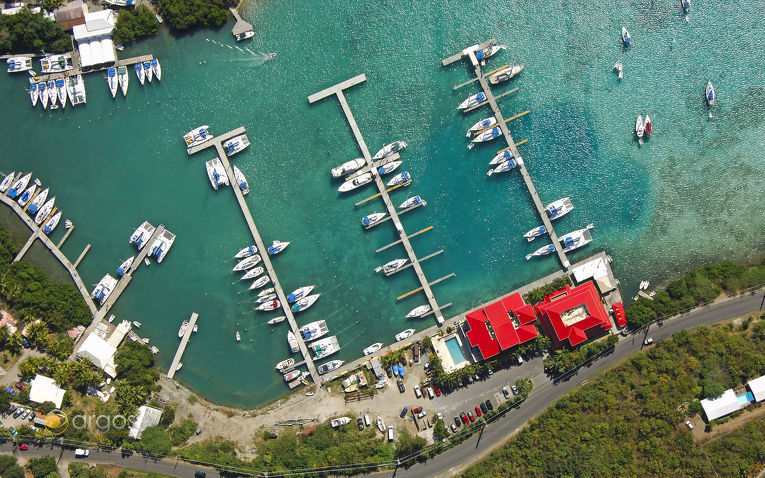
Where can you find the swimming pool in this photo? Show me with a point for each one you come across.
(745, 399)
(455, 350)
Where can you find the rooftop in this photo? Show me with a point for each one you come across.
(725, 404)
(43, 389)
(492, 329)
(757, 386)
(571, 313)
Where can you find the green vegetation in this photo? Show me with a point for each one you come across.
(9, 468)
(565, 360)
(136, 376)
(82, 470)
(42, 467)
(697, 287)
(408, 444)
(155, 440)
(185, 14)
(629, 422)
(135, 24)
(538, 295)
(27, 32)
(79, 375)
(182, 432)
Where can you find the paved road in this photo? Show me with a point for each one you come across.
(454, 461)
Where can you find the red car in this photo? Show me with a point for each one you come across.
(438, 392)
(478, 411)
(464, 418)
(23, 447)
(472, 418)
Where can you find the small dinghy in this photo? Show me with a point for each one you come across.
(481, 125)
(277, 320)
(626, 37)
(710, 93)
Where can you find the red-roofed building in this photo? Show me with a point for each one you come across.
(501, 325)
(574, 315)
(618, 309)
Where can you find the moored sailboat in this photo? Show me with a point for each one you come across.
(123, 79)
(472, 100)
(542, 251)
(140, 73)
(51, 223)
(38, 201)
(112, 81)
(389, 149)
(481, 125)
(299, 293)
(241, 181)
(305, 303)
(125, 266)
(505, 74)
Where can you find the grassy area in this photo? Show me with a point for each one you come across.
(82, 470)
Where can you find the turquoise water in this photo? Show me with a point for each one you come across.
(745, 399)
(691, 194)
(455, 350)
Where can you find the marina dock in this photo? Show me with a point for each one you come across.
(182, 347)
(414, 262)
(240, 26)
(502, 123)
(77, 70)
(217, 143)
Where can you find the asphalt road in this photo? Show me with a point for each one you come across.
(455, 460)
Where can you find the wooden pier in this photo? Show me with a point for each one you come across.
(82, 255)
(217, 143)
(411, 264)
(240, 26)
(66, 236)
(27, 245)
(182, 347)
(492, 101)
(77, 70)
(414, 262)
(409, 236)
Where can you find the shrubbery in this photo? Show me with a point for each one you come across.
(564, 360)
(185, 14)
(132, 25)
(538, 295)
(27, 32)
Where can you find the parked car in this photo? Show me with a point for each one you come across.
(506, 392)
(23, 447)
(431, 395)
(648, 341)
(478, 411)
(484, 409)
(81, 453)
(390, 433)
(18, 412)
(403, 412)
(403, 360)
(21, 386)
(400, 384)
(454, 428)
(491, 372)
(421, 414)
(689, 424)
(457, 421)
(464, 418)
(438, 392)
(200, 474)
(515, 390)
(520, 360)
(471, 417)
(477, 378)
(360, 423)
(439, 416)
(417, 392)
(489, 405)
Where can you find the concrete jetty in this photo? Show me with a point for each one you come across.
(77, 70)
(182, 347)
(502, 123)
(240, 26)
(66, 236)
(337, 90)
(27, 245)
(82, 255)
(217, 143)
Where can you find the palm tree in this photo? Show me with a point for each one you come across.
(37, 332)
(14, 343)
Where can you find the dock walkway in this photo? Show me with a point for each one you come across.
(415, 263)
(240, 26)
(77, 70)
(217, 142)
(182, 347)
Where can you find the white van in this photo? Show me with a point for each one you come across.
(431, 395)
(80, 453)
(366, 420)
(390, 433)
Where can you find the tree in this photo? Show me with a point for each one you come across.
(711, 388)
(41, 467)
(408, 444)
(61, 347)
(46, 407)
(51, 5)
(6, 461)
(135, 364)
(156, 441)
(439, 431)
(136, 24)
(14, 343)
(5, 402)
(37, 334)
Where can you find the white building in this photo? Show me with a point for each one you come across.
(725, 404)
(146, 417)
(94, 38)
(100, 353)
(119, 334)
(757, 387)
(44, 389)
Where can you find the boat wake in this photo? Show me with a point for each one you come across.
(254, 59)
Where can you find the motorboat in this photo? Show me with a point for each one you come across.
(141, 235)
(558, 209)
(80, 95)
(18, 64)
(119, 46)
(197, 136)
(104, 288)
(241, 181)
(51, 223)
(290, 376)
(265, 298)
(506, 166)
(373, 348)
(123, 79)
(473, 100)
(329, 366)
(285, 364)
(145, 340)
(246, 252)
(179, 366)
(33, 94)
(639, 127)
(125, 265)
(260, 282)
(253, 273)
(381, 425)
(277, 320)
(542, 251)
(111, 79)
(488, 52)
(27, 195)
(268, 306)
(336, 422)
(147, 69)
(644, 285)
(156, 68)
(325, 347)
(38, 201)
(52, 94)
(314, 330)
(46, 208)
(505, 74)
(389, 149)
(534, 233)
(216, 173)
(418, 312)
(236, 144)
(481, 125)
(56, 63)
(162, 245)
(685, 5)
(276, 247)
(299, 293)
(292, 342)
(238, 336)
(61, 91)
(43, 94)
(182, 330)
(620, 68)
(626, 37)
(501, 157)
(245, 35)
(404, 335)
(305, 303)
(348, 167)
(154, 349)
(6, 183)
(140, 73)
(648, 126)
(412, 201)
(136, 324)
(19, 185)
(264, 292)
(399, 179)
(392, 266)
(487, 135)
(246, 263)
(576, 239)
(389, 168)
(710, 93)
(372, 219)
(356, 182)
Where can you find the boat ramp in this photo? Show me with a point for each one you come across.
(414, 262)
(182, 347)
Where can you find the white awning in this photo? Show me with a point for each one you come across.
(725, 404)
(86, 58)
(757, 386)
(107, 49)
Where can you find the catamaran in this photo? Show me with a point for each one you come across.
(389, 149)
(329, 366)
(305, 303)
(197, 136)
(487, 135)
(123, 79)
(348, 167)
(268, 306)
(216, 173)
(104, 288)
(162, 245)
(710, 93)
(56, 63)
(157, 69)
(33, 94)
(253, 273)
(298, 294)
(27, 195)
(558, 209)
(489, 51)
(80, 96)
(241, 181)
(620, 68)
(399, 179)
(534, 233)
(43, 93)
(373, 218)
(389, 168)
(38, 201)
(140, 73)
(481, 125)
(141, 235)
(626, 37)
(418, 312)
(111, 79)
(576, 239)
(6, 183)
(325, 347)
(147, 69)
(392, 266)
(285, 364)
(373, 348)
(314, 330)
(356, 182)
(412, 201)
(235, 145)
(260, 281)
(19, 185)
(246, 252)
(51, 223)
(542, 251)
(506, 166)
(292, 342)
(505, 74)
(17, 64)
(472, 100)
(404, 335)
(125, 266)
(276, 247)
(247, 263)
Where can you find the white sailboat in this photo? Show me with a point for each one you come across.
(292, 342)
(314, 330)
(33, 94)
(299, 293)
(505, 74)
(112, 81)
(46, 208)
(27, 195)
(241, 181)
(51, 223)
(140, 73)
(156, 68)
(253, 273)
(123, 79)
(481, 125)
(260, 282)
(305, 303)
(246, 252)
(487, 135)
(348, 167)
(392, 266)
(356, 182)
(6, 183)
(372, 219)
(147, 69)
(247, 263)
(472, 100)
(412, 201)
(389, 149)
(542, 251)
(276, 247)
(503, 167)
(418, 312)
(38, 201)
(125, 266)
(534, 233)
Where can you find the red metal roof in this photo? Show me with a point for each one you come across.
(496, 315)
(479, 336)
(618, 309)
(585, 295)
(526, 314)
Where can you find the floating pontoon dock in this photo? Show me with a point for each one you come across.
(182, 347)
